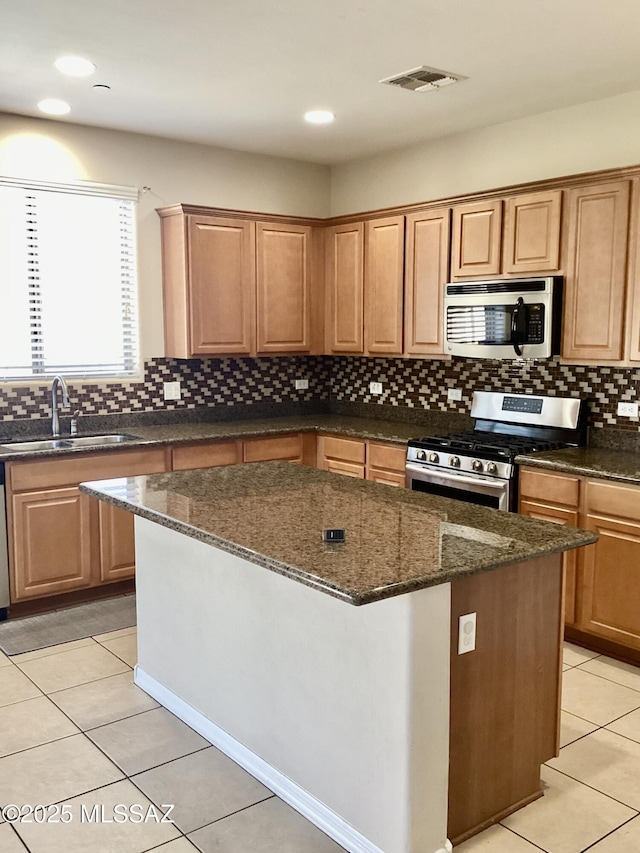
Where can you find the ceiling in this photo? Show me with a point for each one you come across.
(241, 73)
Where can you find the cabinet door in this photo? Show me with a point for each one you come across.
(611, 571)
(476, 239)
(345, 261)
(383, 285)
(386, 463)
(532, 232)
(117, 543)
(598, 219)
(283, 287)
(426, 271)
(611, 567)
(342, 455)
(221, 272)
(557, 515)
(49, 542)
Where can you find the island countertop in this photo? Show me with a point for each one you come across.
(396, 541)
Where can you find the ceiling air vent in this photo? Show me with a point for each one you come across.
(423, 79)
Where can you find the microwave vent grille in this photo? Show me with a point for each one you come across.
(423, 79)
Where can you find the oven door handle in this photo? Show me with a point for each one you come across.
(497, 485)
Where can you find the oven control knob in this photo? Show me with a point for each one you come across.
(454, 461)
(421, 455)
(492, 468)
(433, 457)
(477, 465)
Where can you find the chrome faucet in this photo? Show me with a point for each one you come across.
(55, 420)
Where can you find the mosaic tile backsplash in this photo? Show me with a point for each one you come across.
(411, 383)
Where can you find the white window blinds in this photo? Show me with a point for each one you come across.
(68, 284)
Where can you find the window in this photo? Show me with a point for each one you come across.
(67, 280)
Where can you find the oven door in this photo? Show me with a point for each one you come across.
(485, 491)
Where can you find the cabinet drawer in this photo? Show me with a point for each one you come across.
(70, 470)
(549, 488)
(349, 469)
(613, 499)
(345, 449)
(286, 447)
(388, 457)
(211, 455)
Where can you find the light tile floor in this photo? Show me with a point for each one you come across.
(76, 731)
(592, 790)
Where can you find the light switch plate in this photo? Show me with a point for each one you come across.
(375, 387)
(302, 384)
(171, 390)
(454, 395)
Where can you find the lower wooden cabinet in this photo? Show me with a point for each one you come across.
(354, 457)
(554, 497)
(60, 539)
(342, 455)
(611, 567)
(50, 542)
(385, 463)
(602, 580)
(287, 448)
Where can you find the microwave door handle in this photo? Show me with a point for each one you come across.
(518, 321)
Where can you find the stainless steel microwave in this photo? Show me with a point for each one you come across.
(503, 318)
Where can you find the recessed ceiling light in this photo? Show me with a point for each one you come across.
(319, 117)
(54, 107)
(75, 66)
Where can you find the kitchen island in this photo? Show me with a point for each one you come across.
(364, 718)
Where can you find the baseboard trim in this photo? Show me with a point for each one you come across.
(308, 806)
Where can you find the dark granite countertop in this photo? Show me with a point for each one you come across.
(179, 433)
(599, 462)
(397, 541)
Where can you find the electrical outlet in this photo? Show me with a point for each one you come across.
(375, 387)
(467, 633)
(454, 395)
(171, 390)
(628, 410)
(302, 384)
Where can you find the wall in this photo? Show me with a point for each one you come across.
(174, 171)
(602, 134)
(597, 135)
(204, 382)
(423, 384)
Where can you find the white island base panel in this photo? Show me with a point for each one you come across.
(342, 711)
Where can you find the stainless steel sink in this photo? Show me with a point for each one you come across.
(42, 444)
(116, 438)
(66, 443)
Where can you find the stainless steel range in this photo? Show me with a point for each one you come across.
(478, 466)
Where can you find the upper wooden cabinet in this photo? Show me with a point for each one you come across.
(476, 239)
(209, 285)
(384, 285)
(597, 224)
(519, 235)
(345, 288)
(283, 287)
(234, 286)
(426, 272)
(532, 233)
